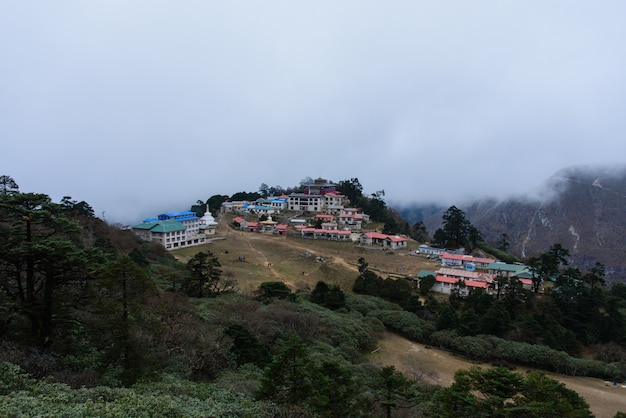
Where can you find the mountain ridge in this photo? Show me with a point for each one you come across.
(581, 207)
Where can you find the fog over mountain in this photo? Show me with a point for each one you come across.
(582, 207)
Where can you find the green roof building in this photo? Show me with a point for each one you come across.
(171, 233)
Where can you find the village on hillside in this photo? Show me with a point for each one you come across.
(320, 213)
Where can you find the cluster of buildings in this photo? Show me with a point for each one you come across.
(332, 220)
(461, 273)
(327, 231)
(320, 196)
(177, 229)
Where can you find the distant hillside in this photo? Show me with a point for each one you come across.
(583, 208)
(415, 213)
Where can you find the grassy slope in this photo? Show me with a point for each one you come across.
(269, 258)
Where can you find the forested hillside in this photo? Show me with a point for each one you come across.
(583, 208)
(94, 322)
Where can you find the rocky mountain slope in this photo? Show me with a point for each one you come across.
(583, 208)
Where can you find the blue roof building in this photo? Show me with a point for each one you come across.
(172, 230)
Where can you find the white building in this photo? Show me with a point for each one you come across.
(278, 203)
(353, 221)
(208, 226)
(319, 196)
(306, 202)
(392, 242)
(172, 230)
(428, 250)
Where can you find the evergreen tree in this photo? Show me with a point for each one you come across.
(470, 322)
(329, 296)
(447, 317)
(246, 346)
(499, 392)
(8, 186)
(288, 379)
(427, 283)
(504, 243)
(264, 189)
(199, 208)
(419, 232)
(395, 290)
(352, 189)
(496, 320)
(368, 283)
(455, 226)
(362, 265)
(395, 391)
(456, 230)
(546, 266)
(273, 290)
(205, 276)
(473, 236)
(40, 255)
(595, 276)
(318, 295)
(334, 391)
(440, 238)
(376, 207)
(123, 319)
(215, 202)
(415, 305)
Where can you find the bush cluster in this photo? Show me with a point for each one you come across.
(491, 348)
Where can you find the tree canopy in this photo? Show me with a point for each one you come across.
(499, 392)
(456, 231)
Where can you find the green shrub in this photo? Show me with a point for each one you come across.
(169, 398)
(273, 290)
(405, 323)
(349, 331)
(365, 304)
(490, 348)
(499, 254)
(13, 378)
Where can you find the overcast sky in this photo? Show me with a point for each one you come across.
(143, 107)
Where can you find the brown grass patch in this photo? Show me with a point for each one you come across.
(275, 258)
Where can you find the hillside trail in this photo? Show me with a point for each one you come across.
(332, 258)
(247, 243)
(291, 244)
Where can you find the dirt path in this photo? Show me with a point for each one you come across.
(436, 366)
(266, 261)
(250, 242)
(248, 239)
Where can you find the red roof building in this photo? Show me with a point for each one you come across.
(385, 241)
(461, 280)
(463, 260)
(281, 229)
